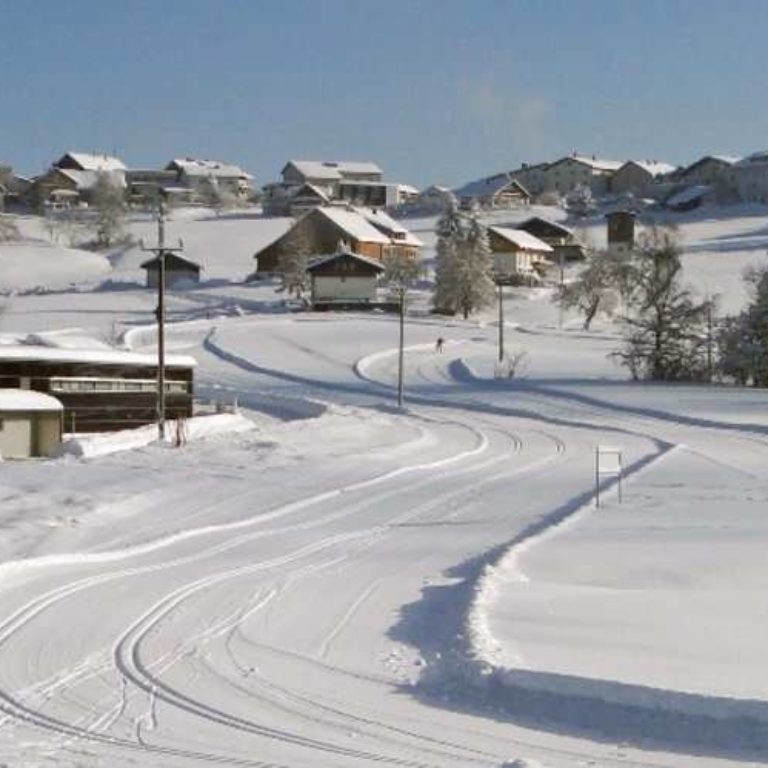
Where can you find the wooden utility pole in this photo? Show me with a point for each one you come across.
(401, 348)
(160, 251)
(501, 324)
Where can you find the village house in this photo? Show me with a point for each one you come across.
(568, 173)
(642, 178)
(718, 172)
(100, 389)
(368, 233)
(433, 199)
(179, 272)
(516, 253)
(344, 280)
(72, 177)
(324, 182)
(560, 238)
(209, 177)
(499, 191)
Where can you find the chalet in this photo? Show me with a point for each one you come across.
(71, 179)
(328, 174)
(344, 279)
(568, 173)
(516, 252)
(366, 232)
(500, 191)
(639, 177)
(179, 272)
(205, 177)
(689, 198)
(101, 390)
(30, 424)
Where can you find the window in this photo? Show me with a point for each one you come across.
(84, 385)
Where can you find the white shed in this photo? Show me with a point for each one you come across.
(30, 423)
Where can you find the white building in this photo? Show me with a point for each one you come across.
(564, 175)
(30, 423)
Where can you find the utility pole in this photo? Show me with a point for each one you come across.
(561, 266)
(400, 354)
(501, 323)
(160, 251)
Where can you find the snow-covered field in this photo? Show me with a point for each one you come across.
(327, 580)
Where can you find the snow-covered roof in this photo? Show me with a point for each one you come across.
(87, 179)
(27, 400)
(331, 170)
(333, 256)
(597, 163)
(384, 222)
(91, 162)
(194, 167)
(489, 186)
(104, 356)
(548, 222)
(653, 167)
(355, 225)
(522, 239)
(688, 195)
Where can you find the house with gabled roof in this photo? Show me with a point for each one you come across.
(178, 271)
(568, 173)
(515, 253)
(365, 232)
(638, 177)
(499, 191)
(86, 161)
(343, 279)
(207, 176)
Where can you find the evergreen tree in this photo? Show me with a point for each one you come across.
(450, 234)
(476, 286)
(665, 336)
(743, 340)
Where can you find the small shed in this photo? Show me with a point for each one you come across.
(344, 279)
(179, 272)
(30, 423)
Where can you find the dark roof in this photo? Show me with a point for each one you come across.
(538, 224)
(172, 261)
(325, 260)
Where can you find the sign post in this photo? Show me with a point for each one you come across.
(608, 461)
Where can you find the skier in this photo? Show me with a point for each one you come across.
(439, 344)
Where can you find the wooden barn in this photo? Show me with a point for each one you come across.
(100, 390)
(365, 232)
(344, 280)
(179, 272)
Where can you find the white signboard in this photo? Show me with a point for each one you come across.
(608, 461)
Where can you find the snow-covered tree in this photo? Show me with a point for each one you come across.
(743, 339)
(293, 261)
(108, 205)
(665, 326)
(463, 265)
(8, 229)
(594, 289)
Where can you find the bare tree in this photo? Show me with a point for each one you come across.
(293, 260)
(109, 207)
(594, 289)
(8, 229)
(665, 327)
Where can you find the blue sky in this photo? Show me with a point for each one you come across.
(433, 90)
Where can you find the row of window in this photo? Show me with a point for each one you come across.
(85, 384)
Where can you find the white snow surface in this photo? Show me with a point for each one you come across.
(328, 580)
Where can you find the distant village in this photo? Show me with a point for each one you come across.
(351, 220)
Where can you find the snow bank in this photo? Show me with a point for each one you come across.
(89, 446)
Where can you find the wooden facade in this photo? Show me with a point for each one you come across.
(322, 236)
(344, 278)
(178, 271)
(102, 396)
